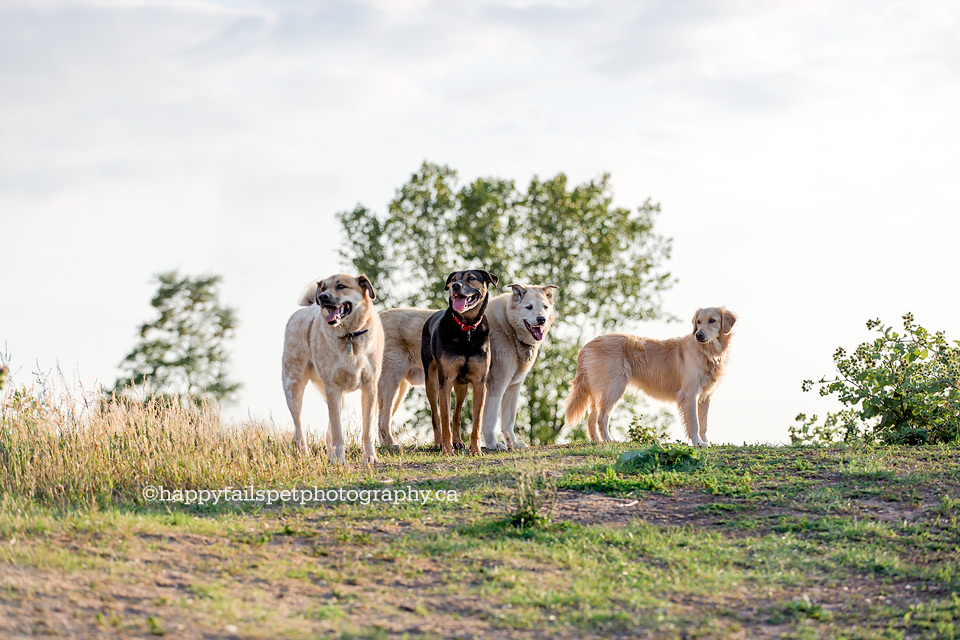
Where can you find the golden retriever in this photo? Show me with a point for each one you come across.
(685, 370)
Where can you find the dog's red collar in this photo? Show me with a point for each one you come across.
(467, 327)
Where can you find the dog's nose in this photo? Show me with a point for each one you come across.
(700, 336)
(323, 298)
(541, 320)
(457, 286)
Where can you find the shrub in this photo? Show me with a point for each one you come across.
(900, 388)
(654, 458)
(650, 429)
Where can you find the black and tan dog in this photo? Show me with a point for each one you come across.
(455, 353)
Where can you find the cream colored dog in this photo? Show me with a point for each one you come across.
(336, 342)
(519, 322)
(684, 370)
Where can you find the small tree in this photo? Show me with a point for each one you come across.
(183, 350)
(897, 389)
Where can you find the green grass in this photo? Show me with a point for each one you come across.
(727, 542)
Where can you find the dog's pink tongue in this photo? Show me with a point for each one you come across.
(333, 314)
(459, 304)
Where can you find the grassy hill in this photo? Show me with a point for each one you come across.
(741, 542)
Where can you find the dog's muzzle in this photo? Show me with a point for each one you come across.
(536, 330)
(463, 298)
(333, 311)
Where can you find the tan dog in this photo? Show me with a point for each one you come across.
(684, 370)
(514, 347)
(337, 343)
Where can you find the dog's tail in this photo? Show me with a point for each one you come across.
(579, 398)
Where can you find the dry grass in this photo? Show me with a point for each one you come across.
(63, 453)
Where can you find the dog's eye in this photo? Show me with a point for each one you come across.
(340, 286)
(529, 306)
(712, 320)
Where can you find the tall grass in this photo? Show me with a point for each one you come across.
(108, 450)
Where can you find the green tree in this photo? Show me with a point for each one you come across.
(182, 351)
(606, 260)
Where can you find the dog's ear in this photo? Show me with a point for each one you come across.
(518, 292)
(309, 294)
(450, 279)
(549, 291)
(727, 320)
(695, 316)
(489, 277)
(367, 286)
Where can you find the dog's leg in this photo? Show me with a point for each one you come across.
(432, 387)
(446, 436)
(508, 416)
(609, 399)
(491, 408)
(293, 390)
(368, 400)
(603, 418)
(687, 403)
(335, 446)
(702, 406)
(401, 394)
(479, 396)
(592, 421)
(386, 392)
(459, 395)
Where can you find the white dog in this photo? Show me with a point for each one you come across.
(336, 342)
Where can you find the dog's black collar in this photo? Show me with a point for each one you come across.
(351, 336)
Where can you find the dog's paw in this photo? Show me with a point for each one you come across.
(475, 451)
(300, 445)
(338, 455)
(516, 444)
(701, 443)
(459, 446)
(447, 451)
(370, 458)
(496, 446)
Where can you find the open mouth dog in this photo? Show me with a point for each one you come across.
(535, 330)
(463, 302)
(335, 314)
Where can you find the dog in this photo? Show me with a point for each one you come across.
(519, 322)
(337, 343)
(684, 370)
(455, 353)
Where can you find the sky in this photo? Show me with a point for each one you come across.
(806, 156)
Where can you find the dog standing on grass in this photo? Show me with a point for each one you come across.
(519, 323)
(337, 343)
(684, 370)
(455, 354)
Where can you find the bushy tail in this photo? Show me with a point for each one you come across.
(579, 399)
